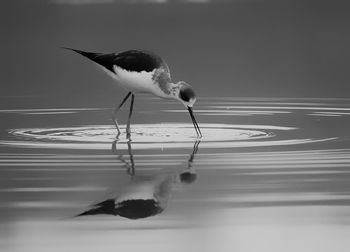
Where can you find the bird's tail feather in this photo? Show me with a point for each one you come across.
(89, 55)
(105, 60)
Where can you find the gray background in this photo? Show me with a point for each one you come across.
(222, 48)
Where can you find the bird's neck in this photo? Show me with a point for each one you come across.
(174, 89)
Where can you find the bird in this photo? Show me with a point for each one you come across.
(142, 71)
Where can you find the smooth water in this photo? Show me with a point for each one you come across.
(268, 175)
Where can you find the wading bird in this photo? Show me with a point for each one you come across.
(140, 71)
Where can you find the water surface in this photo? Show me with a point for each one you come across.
(269, 174)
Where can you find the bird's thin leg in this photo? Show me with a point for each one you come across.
(128, 131)
(116, 111)
(194, 152)
(131, 169)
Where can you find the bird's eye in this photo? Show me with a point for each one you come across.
(186, 94)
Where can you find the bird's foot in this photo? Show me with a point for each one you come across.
(118, 135)
(128, 133)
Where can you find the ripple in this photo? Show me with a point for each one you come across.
(149, 133)
(167, 135)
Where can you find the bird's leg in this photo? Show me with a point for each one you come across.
(131, 169)
(128, 131)
(116, 111)
(194, 152)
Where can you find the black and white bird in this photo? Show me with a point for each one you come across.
(141, 71)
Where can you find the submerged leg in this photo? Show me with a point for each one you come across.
(128, 132)
(131, 169)
(116, 111)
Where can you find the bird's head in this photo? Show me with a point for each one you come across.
(185, 94)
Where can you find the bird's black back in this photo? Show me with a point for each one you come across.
(137, 61)
(132, 60)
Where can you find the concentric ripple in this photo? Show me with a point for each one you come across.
(149, 133)
(266, 122)
(152, 136)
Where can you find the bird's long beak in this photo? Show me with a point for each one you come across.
(195, 124)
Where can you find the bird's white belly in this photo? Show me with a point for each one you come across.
(134, 81)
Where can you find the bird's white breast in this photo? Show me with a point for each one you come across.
(134, 81)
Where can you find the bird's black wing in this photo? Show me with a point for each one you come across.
(132, 60)
(137, 61)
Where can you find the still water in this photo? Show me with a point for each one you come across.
(269, 174)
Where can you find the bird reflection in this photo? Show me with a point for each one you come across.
(144, 196)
